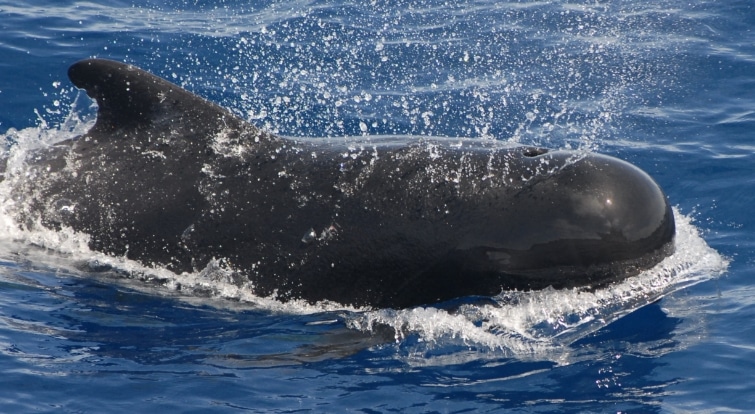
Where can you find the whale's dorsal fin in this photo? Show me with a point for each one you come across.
(131, 100)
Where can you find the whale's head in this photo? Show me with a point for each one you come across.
(579, 219)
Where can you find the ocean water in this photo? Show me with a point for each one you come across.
(667, 85)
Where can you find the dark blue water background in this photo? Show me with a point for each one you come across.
(668, 85)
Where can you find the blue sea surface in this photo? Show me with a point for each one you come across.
(668, 85)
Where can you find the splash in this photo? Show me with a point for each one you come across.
(562, 75)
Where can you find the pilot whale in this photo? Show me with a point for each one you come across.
(171, 180)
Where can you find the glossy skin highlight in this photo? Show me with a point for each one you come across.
(172, 180)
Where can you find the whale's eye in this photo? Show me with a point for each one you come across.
(534, 152)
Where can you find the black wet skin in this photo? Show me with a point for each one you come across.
(169, 179)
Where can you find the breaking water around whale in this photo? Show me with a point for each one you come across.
(515, 322)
